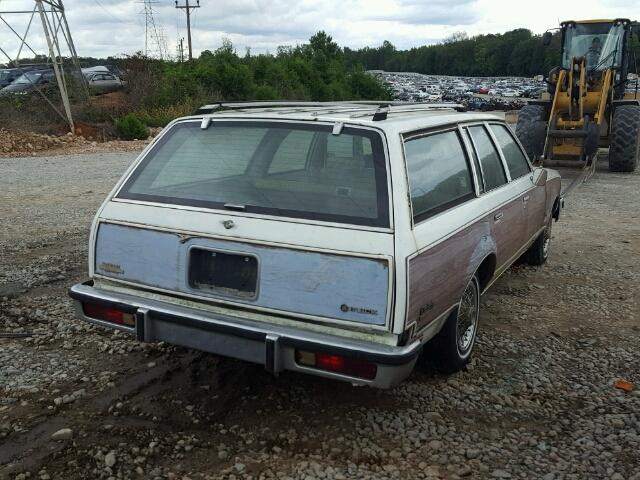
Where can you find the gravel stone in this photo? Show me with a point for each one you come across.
(110, 459)
(62, 434)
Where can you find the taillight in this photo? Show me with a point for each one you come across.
(338, 364)
(108, 314)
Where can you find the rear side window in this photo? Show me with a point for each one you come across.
(492, 169)
(439, 175)
(516, 161)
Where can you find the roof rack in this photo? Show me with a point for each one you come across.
(268, 104)
(379, 109)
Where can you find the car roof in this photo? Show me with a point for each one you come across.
(386, 115)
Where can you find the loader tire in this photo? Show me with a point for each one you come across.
(592, 140)
(531, 130)
(624, 148)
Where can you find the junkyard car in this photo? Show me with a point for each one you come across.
(340, 240)
(104, 82)
(29, 82)
(10, 75)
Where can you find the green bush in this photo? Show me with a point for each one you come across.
(161, 116)
(130, 127)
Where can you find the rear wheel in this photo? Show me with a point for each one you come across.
(539, 251)
(531, 130)
(450, 350)
(624, 148)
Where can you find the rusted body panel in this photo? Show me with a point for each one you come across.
(437, 275)
(553, 189)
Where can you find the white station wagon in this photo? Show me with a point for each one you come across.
(336, 239)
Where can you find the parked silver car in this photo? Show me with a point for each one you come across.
(335, 239)
(103, 82)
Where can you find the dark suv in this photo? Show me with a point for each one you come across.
(27, 81)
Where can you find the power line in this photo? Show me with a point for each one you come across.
(97, 2)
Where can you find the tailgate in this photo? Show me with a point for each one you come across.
(297, 280)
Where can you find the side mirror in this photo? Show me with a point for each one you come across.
(546, 38)
(539, 177)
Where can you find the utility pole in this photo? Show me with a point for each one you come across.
(188, 8)
(181, 50)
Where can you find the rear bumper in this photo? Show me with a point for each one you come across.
(273, 346)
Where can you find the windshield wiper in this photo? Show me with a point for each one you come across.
(235, 206)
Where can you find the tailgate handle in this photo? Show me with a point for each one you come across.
(498, 216)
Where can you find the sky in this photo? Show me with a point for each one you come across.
(115, 27)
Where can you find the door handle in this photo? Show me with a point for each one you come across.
(498, 216)
(525, 199)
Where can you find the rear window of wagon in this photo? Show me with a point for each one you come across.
(297, 170)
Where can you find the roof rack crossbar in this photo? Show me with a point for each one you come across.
(361, 108)
(413, 109)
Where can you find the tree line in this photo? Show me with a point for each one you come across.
(515, 53)
(316, 71)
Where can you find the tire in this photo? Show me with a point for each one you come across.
(531, 130)
(592, 140)
(539, 250)
(624, 148)
(450, 350)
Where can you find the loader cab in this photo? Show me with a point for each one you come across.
(601, 43)
(604, 45)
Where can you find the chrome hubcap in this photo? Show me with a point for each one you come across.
(467, 317)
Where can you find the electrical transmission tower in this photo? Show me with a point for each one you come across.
(154, 38)
(51, 14)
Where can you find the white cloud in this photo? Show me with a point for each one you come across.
(112, 27)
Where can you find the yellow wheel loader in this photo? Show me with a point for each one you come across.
(592, 99)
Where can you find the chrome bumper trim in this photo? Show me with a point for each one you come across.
(271, 345)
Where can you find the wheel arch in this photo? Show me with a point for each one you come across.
(485, 271)
(555, 210)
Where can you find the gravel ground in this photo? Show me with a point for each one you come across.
(538, 400)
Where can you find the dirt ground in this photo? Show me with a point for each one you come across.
(20, 143)
(538, 400)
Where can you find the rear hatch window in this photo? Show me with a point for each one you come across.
(296, 170)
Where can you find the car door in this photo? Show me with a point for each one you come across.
(502, 198)
(110, 82)
(99, 83)
(447, 230)
(520, 172)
